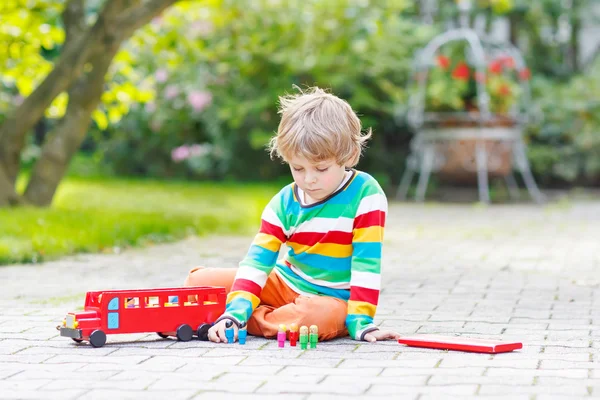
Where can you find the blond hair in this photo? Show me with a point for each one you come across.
(318, 126)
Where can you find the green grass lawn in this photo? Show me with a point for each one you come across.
(99, 215)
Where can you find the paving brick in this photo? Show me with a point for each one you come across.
(477, 397)
(258, 361)
(424, 363)
(175, 383)
(27, 394)
(491, 363)
(94, 359)
(24, 358)
(411, 380)
(172, 394)
(234, 396)
(357, 387)
(293, 370)
(55, 374)
(13, 384)
(549, 381)
(512, 372)
(418, 371)
(506, 390)
(131, 384)
(449, 390)
(477, 380)
(345, 397)
(559, 364)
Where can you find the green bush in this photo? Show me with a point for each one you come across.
(253, 53)
(564, 143)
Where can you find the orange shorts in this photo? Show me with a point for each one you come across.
(279, 304)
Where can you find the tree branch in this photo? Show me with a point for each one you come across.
(142, 14)
(74, 19)
(67, 69)
(84, 96)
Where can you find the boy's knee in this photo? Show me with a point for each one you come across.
(195, 277)
(316, 311)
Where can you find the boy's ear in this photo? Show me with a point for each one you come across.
(354, 159)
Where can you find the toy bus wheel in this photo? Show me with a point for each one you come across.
(202, 332)
(77, 340)
(98, 338)
(162, 335)
(185, 333)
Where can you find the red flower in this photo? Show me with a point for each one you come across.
(461, 72)
(496, 66)
(504, 90)
(524, 74)
(508, 62)
(443, 62)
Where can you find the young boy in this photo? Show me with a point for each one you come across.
(332, 220)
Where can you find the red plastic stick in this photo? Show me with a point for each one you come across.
(460, 343)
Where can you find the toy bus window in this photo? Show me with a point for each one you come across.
(152, 301)
(113, 304)
(192, 300)
(132, 302)
(172, 301)
(211, 299)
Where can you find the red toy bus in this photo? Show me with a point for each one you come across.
(182, 312)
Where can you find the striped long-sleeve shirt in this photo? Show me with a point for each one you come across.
(334, 250)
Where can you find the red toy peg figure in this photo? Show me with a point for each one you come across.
(293, 334)
(281, 335)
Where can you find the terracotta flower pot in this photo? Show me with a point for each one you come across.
(456, 150)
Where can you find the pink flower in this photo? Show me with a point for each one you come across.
(171, 92)
(180, 153)
(150, 107)
(201, 28)
(199, 100)
(161, 75)
(155, 125)
(199, 150)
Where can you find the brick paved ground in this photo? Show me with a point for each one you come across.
(512, 272)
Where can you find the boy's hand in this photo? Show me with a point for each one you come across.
(216, 333)
(381, 335)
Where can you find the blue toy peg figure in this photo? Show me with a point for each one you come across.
(229, 331)
(242, 333)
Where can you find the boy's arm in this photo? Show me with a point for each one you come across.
(256, 266)
(365, 281)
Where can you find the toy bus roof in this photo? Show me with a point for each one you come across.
(158, 291)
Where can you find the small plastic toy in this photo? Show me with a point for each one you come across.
(242, 333)
(281, 335)
(303, 337)
(314, 336)
(229, 331)
(293, 334)
(460, 343)
(180, 312)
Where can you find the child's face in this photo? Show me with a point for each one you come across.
(318, 180)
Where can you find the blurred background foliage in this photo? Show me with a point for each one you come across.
(193, 94)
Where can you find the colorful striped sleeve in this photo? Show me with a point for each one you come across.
(365, 280)
(256, 266)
